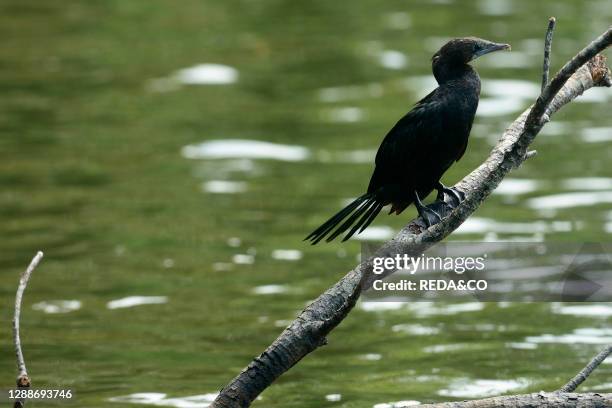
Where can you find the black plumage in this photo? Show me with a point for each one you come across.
(422, 145)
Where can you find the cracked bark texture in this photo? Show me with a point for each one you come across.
(309, 330)
(540, 400)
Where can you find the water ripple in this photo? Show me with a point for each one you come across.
(467, 388)
(132, 301)
(57, 306)
(160, 400)
(242, 148)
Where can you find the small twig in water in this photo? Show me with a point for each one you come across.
(586, 371)
(547, 48)
(23, 381)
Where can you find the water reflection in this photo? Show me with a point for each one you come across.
(597, 134)
(287, 254)
(398, 20)
(250, 149)
(513, 187)
(398, 404)
(132, 301)
(207, 74)
(570, 200)
(415, 329)
(491, 107)
(587, 183)
(370, 357)
(495, 7)
(422, 309)
(224, 187)
(469, 388)
(588, 335)
(603, 311)
(333, 397)
(475, 225)
(348, 93)
(161, 400)
(375, 233)
(57, 306)
(270, 289)
(202, 74)
(346, 114)
(243, 259)
(393, 59)
(516, 59)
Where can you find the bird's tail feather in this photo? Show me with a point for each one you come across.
(363, 210)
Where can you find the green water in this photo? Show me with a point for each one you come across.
(92, 125)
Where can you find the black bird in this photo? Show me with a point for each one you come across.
(419, 149)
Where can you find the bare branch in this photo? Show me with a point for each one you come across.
(22, 377)
(548, 93)
(586, 371)
(547, 47)
(541, 399)
(309, 330)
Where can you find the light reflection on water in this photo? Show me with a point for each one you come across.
(469, 388)
(161, 400)
(57, 306)
(249, 149)
(393, 59)
(132, 301)
(578, 336)
(513, 187)
(597, 134)
(570, 200)
(422, 309)
(485, 225)
(346, 114)
(398, 404)
(224, 187)
(207, 74)
(603, 311)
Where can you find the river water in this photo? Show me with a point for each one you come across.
(169, 157)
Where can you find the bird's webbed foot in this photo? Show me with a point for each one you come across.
(455, 197)
(429, 215)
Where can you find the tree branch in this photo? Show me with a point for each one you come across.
(547, 48)
(309, 330)
(541, 399)
(23, 381)
(586, 371)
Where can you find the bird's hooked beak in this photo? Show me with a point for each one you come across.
(490, 47)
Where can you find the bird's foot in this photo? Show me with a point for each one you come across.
(429, 215)
(455, 197)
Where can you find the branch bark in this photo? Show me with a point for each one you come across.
(309, 330)
(586, 371)
(23, 380)
(542, 399)
(547, 48)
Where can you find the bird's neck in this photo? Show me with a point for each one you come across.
(445, 73)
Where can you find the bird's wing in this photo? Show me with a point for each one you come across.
(411, 136)
(464, 145)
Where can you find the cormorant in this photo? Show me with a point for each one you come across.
(422, 145)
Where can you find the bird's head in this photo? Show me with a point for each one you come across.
(460, 51)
